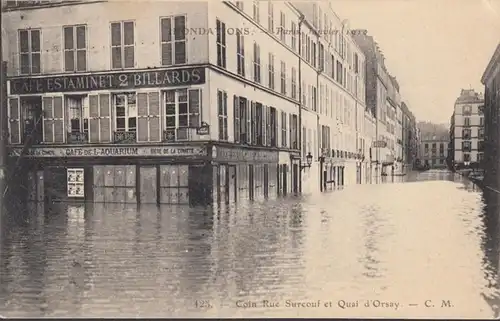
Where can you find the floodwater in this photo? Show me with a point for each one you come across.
(425, 245)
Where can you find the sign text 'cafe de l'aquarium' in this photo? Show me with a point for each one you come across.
(112, 151)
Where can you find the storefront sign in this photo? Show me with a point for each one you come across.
(157, 151)
(245, 155)
(103, 81)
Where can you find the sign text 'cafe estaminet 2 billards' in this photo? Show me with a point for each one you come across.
(108, 81)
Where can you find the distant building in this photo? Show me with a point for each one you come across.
(491, 81)
(434, 152)
(410, 141)
(467, 129)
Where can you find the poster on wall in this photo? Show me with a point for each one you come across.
(75, 184)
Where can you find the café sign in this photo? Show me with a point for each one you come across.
(108, 81)
(156, 151)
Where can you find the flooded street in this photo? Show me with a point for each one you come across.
(423, 248)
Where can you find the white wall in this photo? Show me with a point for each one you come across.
(97, 17)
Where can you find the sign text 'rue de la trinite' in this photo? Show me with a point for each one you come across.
(156, 151)
(110, 81)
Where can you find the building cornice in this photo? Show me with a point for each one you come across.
(494, 61)
(50, 5)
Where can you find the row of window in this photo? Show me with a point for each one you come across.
(479, 157)
(90, 118)
(467, 145)
(75, 51)
(327, 63)
(467, 121)
(308, 51)
(256, 124)
(441, 146)
(467, 110)
(467, 133)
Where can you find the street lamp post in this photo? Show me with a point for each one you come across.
(308, 160)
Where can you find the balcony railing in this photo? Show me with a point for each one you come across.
(183, 134)
(77, 138)
(120, 137)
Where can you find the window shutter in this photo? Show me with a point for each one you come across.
(94, 118)
(154, 116)
(194, 105)
(48, 119)
(14, 121)
(264, 125)
(59, 132)
(105, 118)
(142, 117)
(236, 115)
(253, 116)
(100, 118)
(249, 123)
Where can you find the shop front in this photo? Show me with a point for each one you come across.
(244, 173)
(162, 174)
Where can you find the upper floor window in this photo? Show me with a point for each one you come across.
(466, 121)
(282, 27)
(294, 36)
(283, 129)
(75, 48)
(466, 145)
(270, 18)
(125, 112)
(480, 133)
(356, 63)
(313, 54)
(466, 133)
(122, 45)
(29, 51)
(240, 53)
(480, 110)
(283, 78)
(467, 110)
(221, 44)
(294, 83)
(321, 57)
(78, 114)
(256, 11)
(182, 111)
(271, 76)
(481, 121)
(173, 40)
(222, 106)
(256, 62)
(314, 99)
(239, 5)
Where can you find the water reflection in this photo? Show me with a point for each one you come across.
(433, 237)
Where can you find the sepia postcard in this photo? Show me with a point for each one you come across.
(250, 159)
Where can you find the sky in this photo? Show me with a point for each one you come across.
(433, 47)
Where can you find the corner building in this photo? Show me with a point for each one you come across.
(468, 129)
(170, 102)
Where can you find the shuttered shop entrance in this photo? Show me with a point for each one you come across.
(115, 183)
